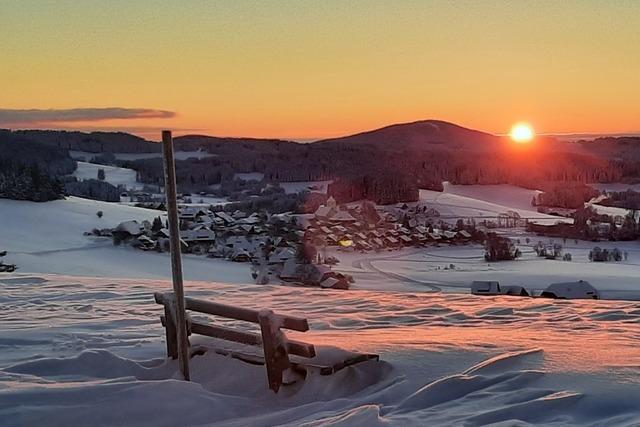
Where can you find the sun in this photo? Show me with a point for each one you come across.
(522, 133)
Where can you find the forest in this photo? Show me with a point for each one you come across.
(30, 171)
(360, 167)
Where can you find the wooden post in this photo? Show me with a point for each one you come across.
(170, 333)
(179, 315)
(275, 355)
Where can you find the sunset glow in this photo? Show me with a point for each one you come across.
(522, 133)
(323, 69)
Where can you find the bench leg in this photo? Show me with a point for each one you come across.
(171, 334)
(275, 353)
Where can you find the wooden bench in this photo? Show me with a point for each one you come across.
(276, 347)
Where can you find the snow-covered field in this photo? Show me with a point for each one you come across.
(88, 351)
(616, 187)
(113, 175)
(484, 202)
(298, 186)
(249, 176)
(429, 269)
(47, 238)
(81, 342)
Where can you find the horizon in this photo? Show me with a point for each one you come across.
(316, 71)
(154, 136)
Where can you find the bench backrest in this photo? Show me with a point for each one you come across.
(275, 346)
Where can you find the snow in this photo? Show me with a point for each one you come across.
(503, 194)
(48, 238)
(610, 210)
(616, 187)
(205, 201)
(113, 175)
(480, 201)
(90, 351)
(178, 155)
(249, 176)
(81, 342)
(299, 186)
(428, 269)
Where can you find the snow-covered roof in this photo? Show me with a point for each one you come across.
(132, 227)
(579, 289)
(226, 217)
(290, 270)
(190, 212)
(238, 214)
(329, 282)
(240, 253)
(324, 212)
(203, 234)
(343, 216)
(282, 255)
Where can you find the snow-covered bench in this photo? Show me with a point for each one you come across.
(276, 347)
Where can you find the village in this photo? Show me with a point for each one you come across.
(295, 248)
(305, 249)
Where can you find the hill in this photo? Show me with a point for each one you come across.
(390, 163)
(423, 134)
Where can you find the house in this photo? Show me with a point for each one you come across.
(485, 287)
(143, 242)
(324, 212)
(319, 273)
(434, 236)
(421, 229)
(405, 239)
(238, 214)
(226, 217)
(201, 235)
(464, 234)
(249, 229)
(392, 241)
(251, 219)
(571, 290)
(335, 283)
(449, 235)
(127, 229)
(240, 255)
(338, 229)
(290, 271)
(188, 213)
(282, 256)
(343, 217)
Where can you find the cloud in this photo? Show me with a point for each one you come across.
(34, 116)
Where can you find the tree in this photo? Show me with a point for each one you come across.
(99, 214)
(101, 175)
(498, 248)
(157, 224)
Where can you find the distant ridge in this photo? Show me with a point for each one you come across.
(420, 136)
(416, 135)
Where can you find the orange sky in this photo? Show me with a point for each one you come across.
(318, 69)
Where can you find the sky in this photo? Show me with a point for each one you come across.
(315, 69)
